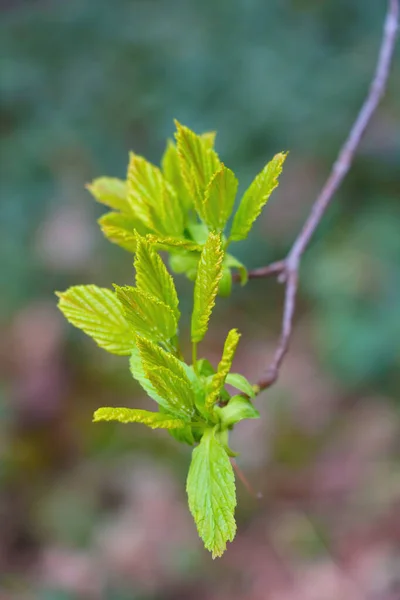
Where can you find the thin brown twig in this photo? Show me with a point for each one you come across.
(288, 268)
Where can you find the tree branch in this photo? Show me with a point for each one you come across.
(288, 268)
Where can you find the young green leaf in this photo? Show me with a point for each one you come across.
(219, 198)
(154, 357)
(233, 263)
(110, 191)
(119, 228)
(178, 397)
(99, 314)
(138, 373)
(218, 380)
(256, 197)
(240, 383)
(172, 244)
(198, 162)
(167, 376)
(225, 285)
(148, 316)
(237, 409)
(152, 198)
(171, 168)
(209, 273)
(134, 415)
(152, 276)
(211, 493)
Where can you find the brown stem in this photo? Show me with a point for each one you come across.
(288, 268)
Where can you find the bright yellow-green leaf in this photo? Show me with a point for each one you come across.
(209, 138)
(152, 198)
(138, 373)
(120, 229)
(152, 276)
(198, 161)
(218, 380)
(148, 316)
(177, 395)
(154, 357)
(99, 314)
(171, 168)
(256, 197)
(212, 495)
(237, 409)
(172, 243)
(110, 191)
(168, 377)
(209, 273)
(134, 415)
(219, 198)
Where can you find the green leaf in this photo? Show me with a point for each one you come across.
(152, 198)
(240, 383)
(167, 376)
(237, 409)
(225, 285)
(177, 395)
(171, 243)
(208, 138)
(171, 168)
(211, 493)
(184, 435)
(110, 191)
(119, 229)
(185, 262)
(198, 162)
(138, 373)
(134, 415)
(256, 197)
(233, 263)
(209, 274)
(218, 380)
(148, 316)
(219, 198)
(99, 314)
(152, 276)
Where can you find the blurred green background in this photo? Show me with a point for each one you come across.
(98, 511)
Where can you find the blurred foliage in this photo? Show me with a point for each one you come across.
(81, 84)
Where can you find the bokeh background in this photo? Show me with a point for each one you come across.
(99, 511)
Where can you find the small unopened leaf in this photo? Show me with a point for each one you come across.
(209, 273)
(219, 198)
(225, 285)
(99, 314)
(148, 316)
(152, 276)
(233, 263)
(240, 383)
(256, 197)
(110, 191)
(237, 409)
(134, 415)
(198, 162)
(211, 493)
(218, 380)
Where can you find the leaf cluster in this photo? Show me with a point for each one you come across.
(178, 205)
(183, 208)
